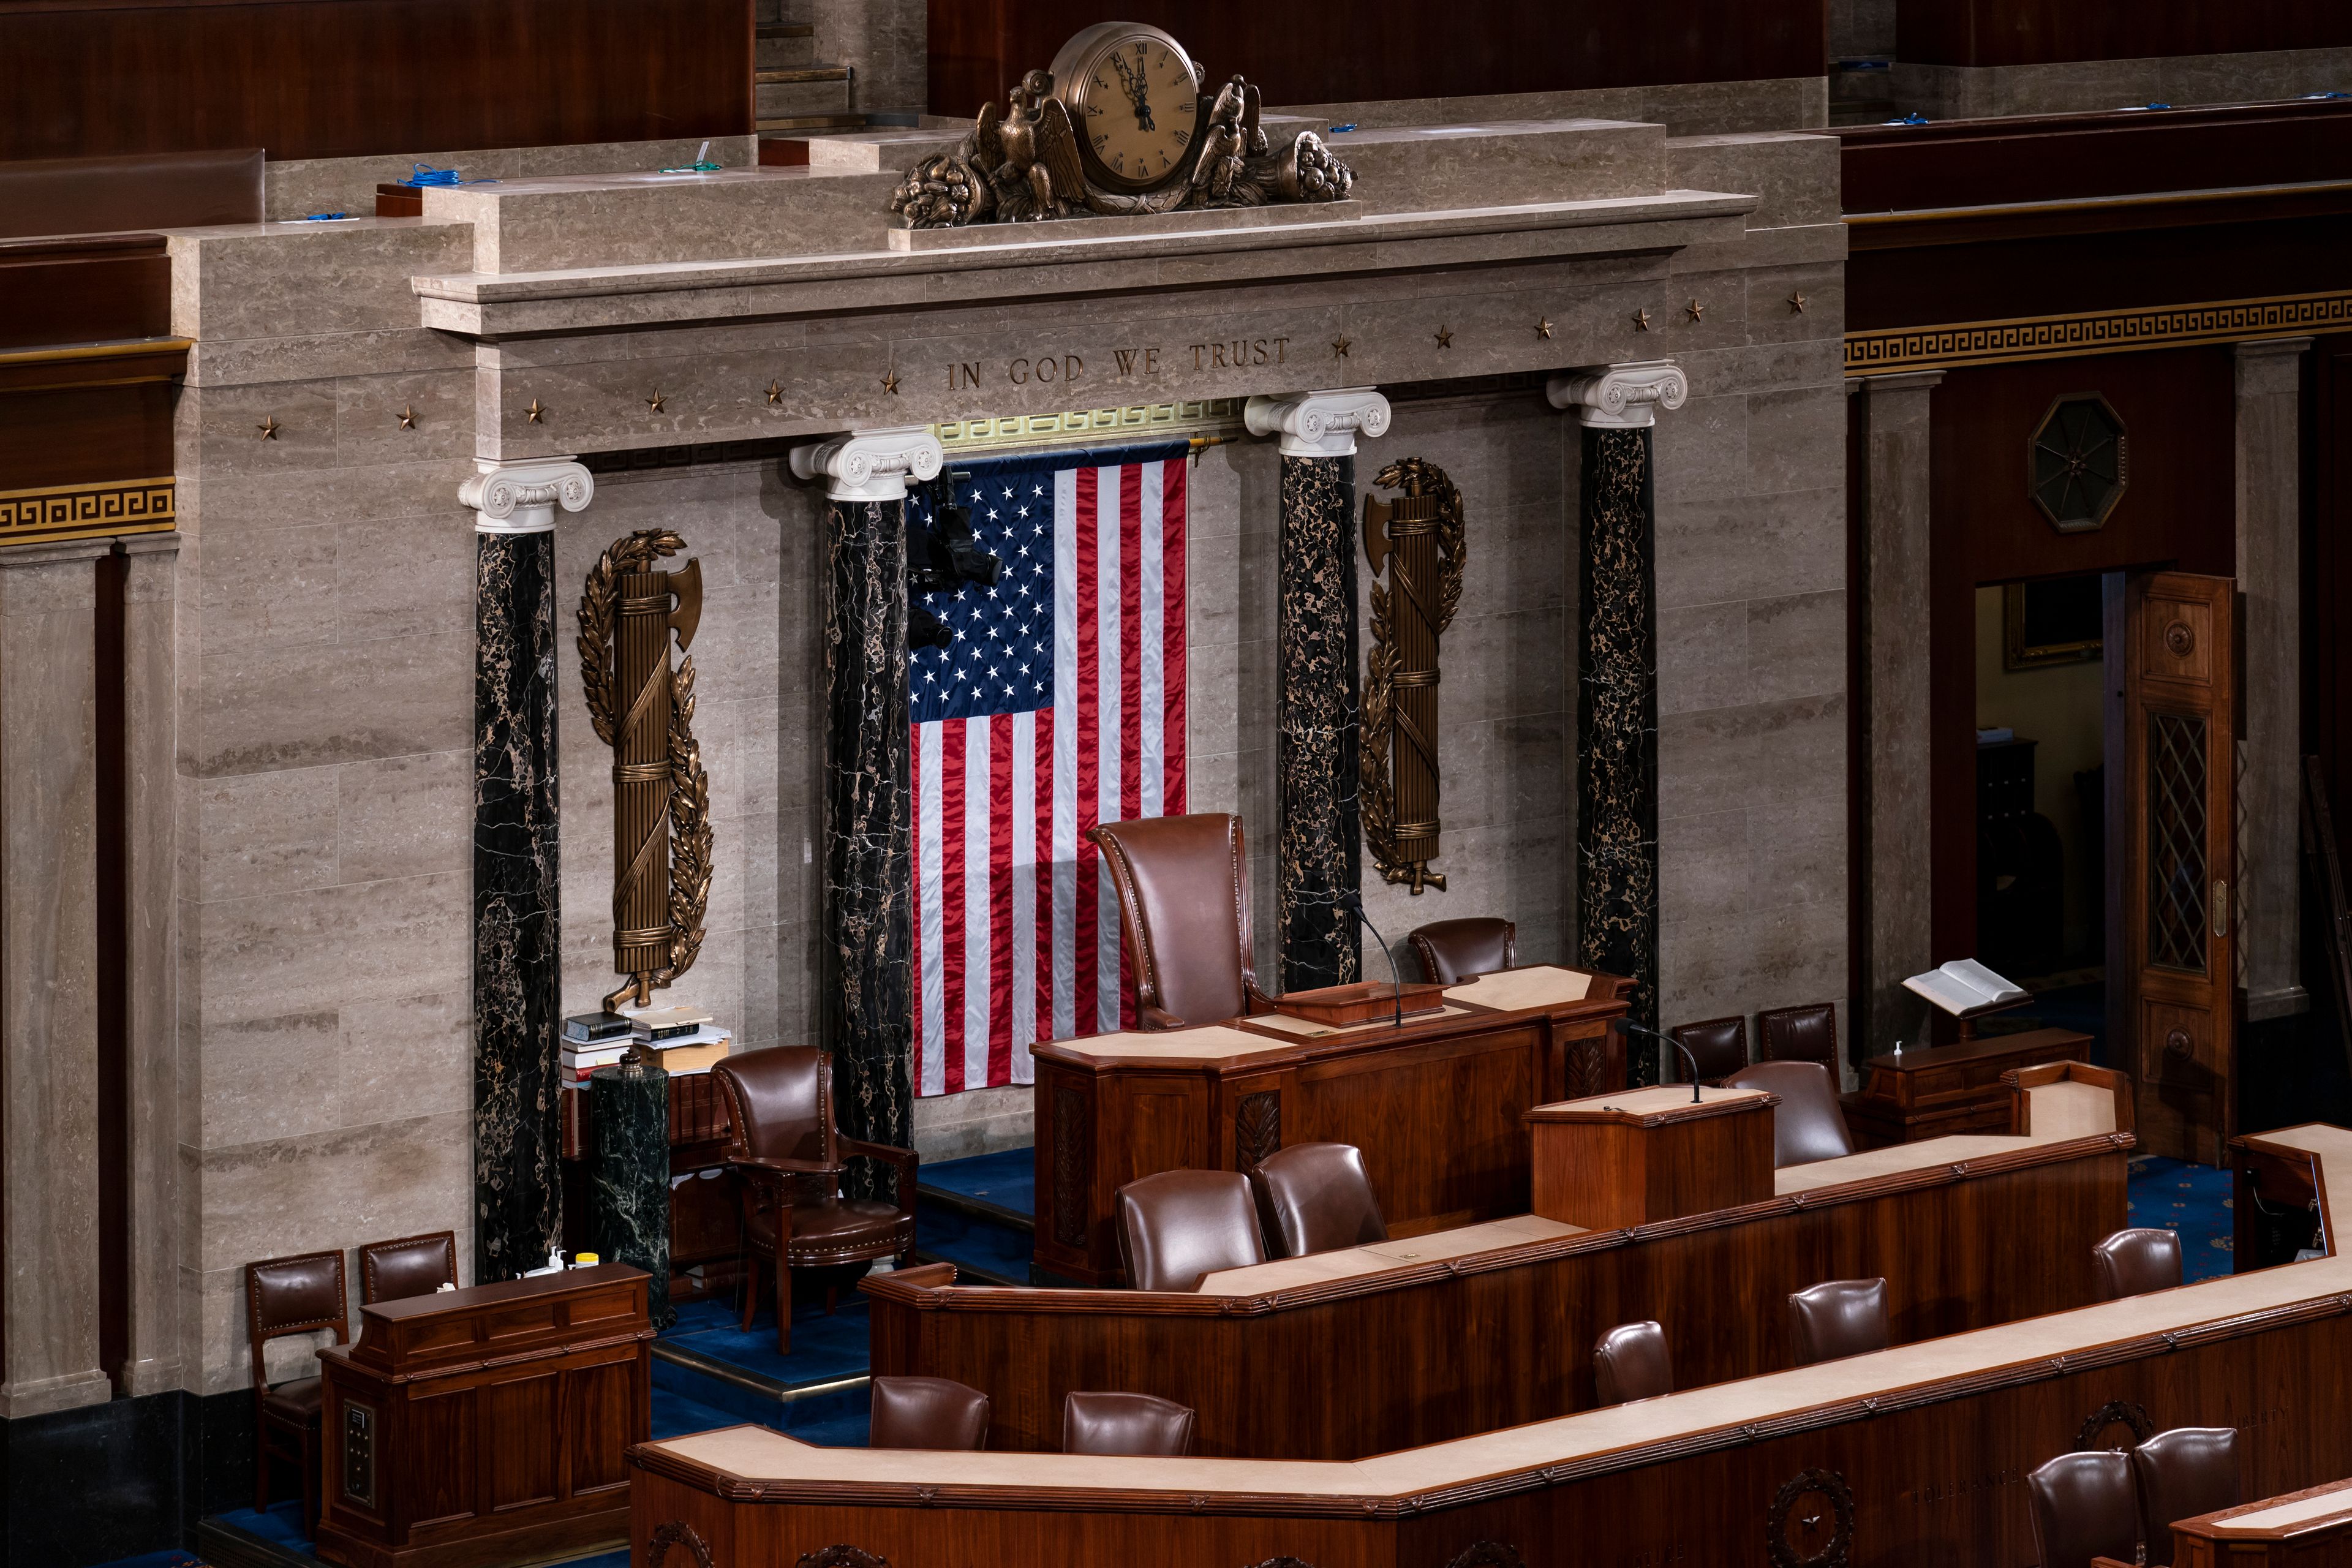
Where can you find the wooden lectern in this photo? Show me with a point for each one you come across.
(488, 1424)
(1616, 1161)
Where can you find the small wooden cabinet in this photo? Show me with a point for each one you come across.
(1944, 1090)
(1642, 1155)
(488, 1424)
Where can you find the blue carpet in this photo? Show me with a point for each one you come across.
(1007, 1178)
(972, 1242)
(823, 1346)
(2192, 1199)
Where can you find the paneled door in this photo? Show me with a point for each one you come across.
(2178, 811)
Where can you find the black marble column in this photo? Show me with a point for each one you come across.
(869, 793)
(1617, 723)
(518, 971)
(1315, 737)
(628, 1201)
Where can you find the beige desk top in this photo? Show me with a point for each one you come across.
(1437, 1247)
(1309, 1029)
(1536, 985)
(2335, 1501)
(1212, 1042)
(757, 1453)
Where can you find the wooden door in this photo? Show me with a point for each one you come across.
(2179, 814)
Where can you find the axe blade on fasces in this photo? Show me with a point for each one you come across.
(1376, 539)
(686, 589)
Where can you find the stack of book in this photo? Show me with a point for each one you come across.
(681, 1040)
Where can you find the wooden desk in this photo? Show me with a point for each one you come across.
(488, 1424)
(1647, 1155)
(1914, 1455)
(2309, 1529)
(1346, 1353)
(1943, 1089)
(1434, 1105)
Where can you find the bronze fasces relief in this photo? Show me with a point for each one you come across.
(642, 708)
(1418, 539)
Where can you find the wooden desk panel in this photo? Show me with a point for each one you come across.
(1345, 1354)
(1943, 1090)
(1435, 1107)
(2309, 1529)
(1915, 1455)
(488, 1424)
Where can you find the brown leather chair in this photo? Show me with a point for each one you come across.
(2182, 1473)
(1800, 1034)
(927, 1413)
(413, 1266)
(1184, 911)
(2082, 1507)
(298, 1295)
(1718, 1047)
(2136, 1261)
(1139, 1424)
(782, 1140)
(1837, 1319)
(1630, 1362)
(1808, 1124)
(1178, 1226)
(1315, 1197)
(1451, 950)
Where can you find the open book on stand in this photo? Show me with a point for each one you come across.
(1965, 988)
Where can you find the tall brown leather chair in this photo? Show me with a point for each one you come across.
(1808, 1124)
(1837, 1319)
(1630, 1362)
(1718, 1047)
(298, 1295)
(1184, 909)
(782, 1140)
(1138, 1424)
(2082, 1507)
(1452, 951)
(927, 1413)
(2136, 1261)
(1315, 1197)
(2182, 1473)
(412, 1265)
(1178, 1225)
(1800, 1034)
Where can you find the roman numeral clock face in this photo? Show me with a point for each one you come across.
(1135, 104)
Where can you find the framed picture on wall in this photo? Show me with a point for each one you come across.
(2056, 621)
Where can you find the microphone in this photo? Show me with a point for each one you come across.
(1627, 1026)
(1353, 903)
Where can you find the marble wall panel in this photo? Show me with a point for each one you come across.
(277, 280)
(1770, 104)
(297, 187)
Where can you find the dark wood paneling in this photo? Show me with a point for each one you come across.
(101, 290)
(1395, 48)
(2035, 32)
(2179, 408)
(329, 78)
(1342, 1370)
(85, 435)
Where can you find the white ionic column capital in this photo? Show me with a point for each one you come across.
(521, 497)
(1319, 423)
(872, 465)
(1620, 396)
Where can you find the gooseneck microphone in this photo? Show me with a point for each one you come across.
(1627, 1026)
(1353, 903)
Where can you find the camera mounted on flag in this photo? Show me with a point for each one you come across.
(942, 556)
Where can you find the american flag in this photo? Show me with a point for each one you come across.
(1059, 704)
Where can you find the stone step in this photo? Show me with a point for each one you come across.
(785, 48)
(794, 127)
(791, 94)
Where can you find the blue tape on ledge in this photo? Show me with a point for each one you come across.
(427, 174)
(322, 217)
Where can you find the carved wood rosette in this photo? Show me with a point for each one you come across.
(1811, 1521)
(642, 708)
(1418, 538)
(2097, 1427)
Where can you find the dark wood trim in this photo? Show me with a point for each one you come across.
(1915, 227)
(2047, 32)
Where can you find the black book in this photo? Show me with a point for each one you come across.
(592, 1029)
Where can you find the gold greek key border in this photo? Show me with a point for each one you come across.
(74, 512)
(1094, 426)
(2094, 332)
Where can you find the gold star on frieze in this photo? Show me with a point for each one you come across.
(1543, 326)
(655, 402)
(890, 383)
(407, 417)
(1694, 310)
(1341, 345)
(1642, 320)
(538, 414)
(1797, 303)
(269, 428)
(775, 393)
(1445, 337)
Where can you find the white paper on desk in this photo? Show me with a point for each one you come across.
(1964, 985)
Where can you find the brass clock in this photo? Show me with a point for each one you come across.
(1135, 98)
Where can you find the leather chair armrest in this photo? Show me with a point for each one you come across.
(1158, 1020)
(903, 1160)
(755, 1165)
